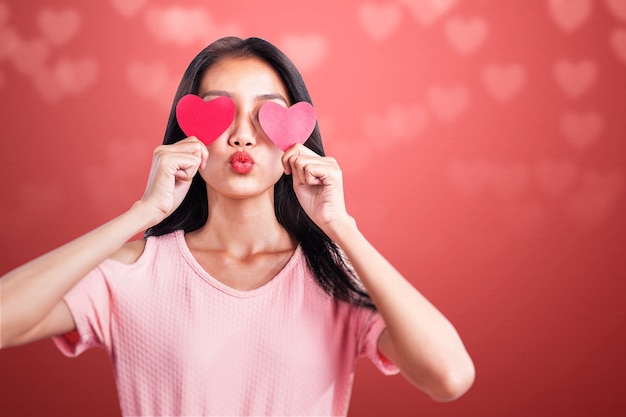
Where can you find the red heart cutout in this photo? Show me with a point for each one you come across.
(206, 120)
(286, 127)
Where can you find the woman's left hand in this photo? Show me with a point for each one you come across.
(318, 184)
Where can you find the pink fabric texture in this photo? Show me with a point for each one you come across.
(183, 343)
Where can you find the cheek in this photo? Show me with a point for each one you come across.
(213, 161)
(277, 164)
(214, 165)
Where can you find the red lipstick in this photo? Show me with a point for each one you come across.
(241, 162)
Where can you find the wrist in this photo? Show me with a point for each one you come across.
(342, 230)
(146, 216)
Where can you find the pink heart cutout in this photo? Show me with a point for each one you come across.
(286, 127)
(206, 120)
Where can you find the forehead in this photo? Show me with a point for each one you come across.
(247, 75)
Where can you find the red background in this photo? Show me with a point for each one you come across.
(483, 148)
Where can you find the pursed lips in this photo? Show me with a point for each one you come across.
(241, 162)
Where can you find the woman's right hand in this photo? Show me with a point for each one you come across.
(31, 295)
(173, 168)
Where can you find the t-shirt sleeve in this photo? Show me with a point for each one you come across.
(89, 303)
(368, 346)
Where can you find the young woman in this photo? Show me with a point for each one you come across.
(254, 292)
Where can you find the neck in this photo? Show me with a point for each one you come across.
(243, 227)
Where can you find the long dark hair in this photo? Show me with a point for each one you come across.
(324, 257)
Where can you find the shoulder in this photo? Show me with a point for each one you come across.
(130, 252)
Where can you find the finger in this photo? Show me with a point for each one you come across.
(310, 170)
(190, 145)
(183, 166)
(204, 154)
(185, 174)
(296, 165)
(313, 174)
(200, 147)
(294, 161)
(295, 150)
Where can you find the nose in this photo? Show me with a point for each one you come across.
(243, 130)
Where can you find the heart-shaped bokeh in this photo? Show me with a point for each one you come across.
(287, 126)
(206, 120)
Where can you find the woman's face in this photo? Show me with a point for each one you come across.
(243, 161)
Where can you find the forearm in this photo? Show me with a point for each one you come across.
(425, 345)
(30, 292)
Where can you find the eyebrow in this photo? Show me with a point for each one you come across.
(270, 96)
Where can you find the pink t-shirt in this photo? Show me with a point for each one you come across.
(183, 343)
